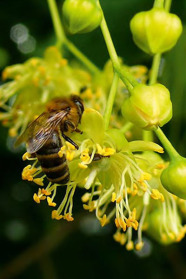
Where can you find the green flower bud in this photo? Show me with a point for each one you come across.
(155, 31)
(148, 106)
(164, 227)
(173, 178)
(81, 16)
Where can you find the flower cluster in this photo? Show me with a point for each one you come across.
(39, 80)
(120, 185)
(127, 183)
(33, 84)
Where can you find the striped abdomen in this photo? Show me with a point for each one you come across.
(55, 168)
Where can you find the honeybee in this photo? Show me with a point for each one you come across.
(43, 136)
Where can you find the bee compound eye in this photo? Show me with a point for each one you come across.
(79, 105)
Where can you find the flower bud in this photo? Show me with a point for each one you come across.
(81, 16)
(156, 30)
(173, 178)
(164, 227)
(148, 106)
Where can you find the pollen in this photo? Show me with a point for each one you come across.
(91, 207)
(135, 190)
(62, 151)
(45, 192)
(164, 237)
(108, 151)
(12, 132)
(85, 156)
(171, 235)
(160, 166)
(34, 62)
(139, 246)
(130, 245)
(132, 223)
(129, 191)
(156, 195)
(40, 195)
(27, 173)
(56, 215)
(99, 149)
(181, 234)
(68, 217)
(120, 237)
(36, 198)
(85, 197)
(42, 70)
(63, 62)
(104, 220)
(50, 202)
(119, 222)
(5, 74)
(87, 94)
(147, 176)
(70, 146)
(26, 156)
(38, 181)
(143, 186)
(69, 155)
(119, 199)
(113, 199)
(82, 166)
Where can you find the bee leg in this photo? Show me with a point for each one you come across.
(71, 124)
(78, 131)
(71, 141)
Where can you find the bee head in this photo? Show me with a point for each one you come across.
(79, 104)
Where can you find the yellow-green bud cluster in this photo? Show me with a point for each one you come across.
(173, 178)
(156, 30)
(148, 106)
(81, 16)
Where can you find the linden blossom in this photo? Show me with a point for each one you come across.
(114, 178)
(120, 185)
(33, 84)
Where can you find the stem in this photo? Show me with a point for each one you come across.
(62, 40)
(109, 43)
(173, 154)
(147, 135)
(158, 3)
(110, 101)
(123, 74)
(168, 5)
(56, 23)
(126, 127)
(155, 68)
(77, 53)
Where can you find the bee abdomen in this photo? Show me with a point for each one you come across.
(55, 168)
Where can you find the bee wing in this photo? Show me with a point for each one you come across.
(40, 130)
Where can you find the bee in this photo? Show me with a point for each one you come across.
(43, 136)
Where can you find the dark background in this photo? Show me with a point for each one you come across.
(33, 245)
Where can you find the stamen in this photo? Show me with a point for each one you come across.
(91, 179)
